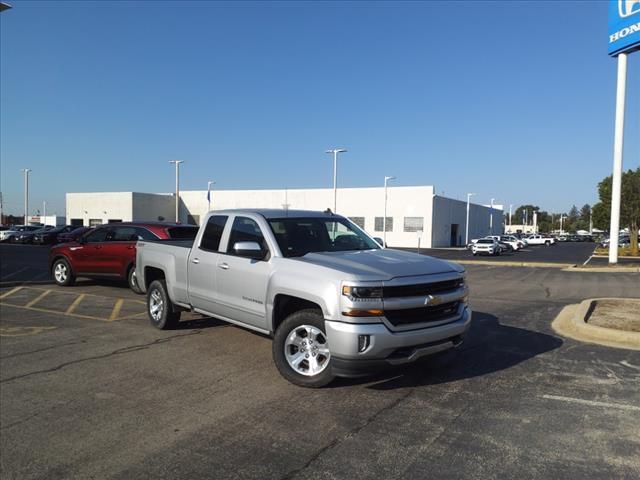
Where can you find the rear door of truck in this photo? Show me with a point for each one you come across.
(202, 264)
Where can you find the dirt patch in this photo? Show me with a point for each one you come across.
(619, 314)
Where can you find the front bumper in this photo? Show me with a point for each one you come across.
(387, 348)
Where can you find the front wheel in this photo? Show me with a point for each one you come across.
(301, 350)
(160, 308)
(62, 273)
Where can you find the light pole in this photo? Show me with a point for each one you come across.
(510, 207)
(491, 218)
(562, 217)
(177, 164)
(26, 172)
(466, 235)
(335, 152)
(209, 183)
(384, 219)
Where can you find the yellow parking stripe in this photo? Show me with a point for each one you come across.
(10, 292)
(116, 309)
(38, 298)
(75, 303)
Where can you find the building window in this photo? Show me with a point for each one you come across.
(379, 223)
(76, 222)
(193, 219)
(114, 220)
(94, 222)
(358, 221)
(413, 224)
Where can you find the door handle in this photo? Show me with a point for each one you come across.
(224, 266)
(195, 260)
(131, 247)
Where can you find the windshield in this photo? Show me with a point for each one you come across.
(485, 241)
(298, 236)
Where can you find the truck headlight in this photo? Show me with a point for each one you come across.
(362, 292)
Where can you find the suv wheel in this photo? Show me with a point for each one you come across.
(160, 308)
(62, 273)
(301, 350)
(133, 280)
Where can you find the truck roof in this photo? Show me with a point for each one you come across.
(270, 213)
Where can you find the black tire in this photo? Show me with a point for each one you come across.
(165, 317)
(311, 318)
(62, 273)
(131, 280)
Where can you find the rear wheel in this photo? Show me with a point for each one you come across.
(160, 308)
(301, 350)
(62, 273)
(133, 280)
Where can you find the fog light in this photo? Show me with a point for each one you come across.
(363, 342)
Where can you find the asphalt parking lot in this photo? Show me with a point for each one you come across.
(574, 253)
(93, 391)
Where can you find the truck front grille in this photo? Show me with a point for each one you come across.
(422, 289)
(422, 314)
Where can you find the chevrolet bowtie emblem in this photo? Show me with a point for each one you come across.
(432, 301)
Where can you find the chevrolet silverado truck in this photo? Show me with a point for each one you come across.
(334, 301)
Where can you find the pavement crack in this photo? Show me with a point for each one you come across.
(350, 433)
(119, 351)
(18, 354)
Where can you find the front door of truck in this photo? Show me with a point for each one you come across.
(202, 265)
(241, 283)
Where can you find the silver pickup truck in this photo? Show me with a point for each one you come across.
(334, 301)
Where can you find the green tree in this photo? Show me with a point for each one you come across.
(629, 205)
(583, 218)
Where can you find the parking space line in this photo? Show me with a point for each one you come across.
(10, 292)
(75, 303)
(15, 273)
(116, 309)
(38, 298)
(44, 310)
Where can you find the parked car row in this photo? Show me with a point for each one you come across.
(496, 244)
(624, 240)
(109, 251)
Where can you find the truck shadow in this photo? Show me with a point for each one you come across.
(489, 347)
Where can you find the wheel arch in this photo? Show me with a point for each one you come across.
(285, 305)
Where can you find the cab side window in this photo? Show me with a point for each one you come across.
(245, 230)
(213, 233)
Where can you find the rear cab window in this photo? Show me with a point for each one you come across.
(182, 233)
(212, 234)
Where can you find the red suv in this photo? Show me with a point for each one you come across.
(110, 251)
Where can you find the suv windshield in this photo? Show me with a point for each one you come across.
(298, 236)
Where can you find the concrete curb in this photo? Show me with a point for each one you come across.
(515, 264)
(571, 322)
(603, 269)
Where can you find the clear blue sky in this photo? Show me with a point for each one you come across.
(512, 100)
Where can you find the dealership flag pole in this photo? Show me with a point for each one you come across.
(618, 142)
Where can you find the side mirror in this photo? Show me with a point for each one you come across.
(380, 241)
(249, 250)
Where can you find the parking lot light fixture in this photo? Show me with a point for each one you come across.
(466, 235)
(209, 183)
(335, 152)
(491, 218)
(26, 172)
(177, 164)
(384, 219)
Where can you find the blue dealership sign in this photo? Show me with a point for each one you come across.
(624, 26)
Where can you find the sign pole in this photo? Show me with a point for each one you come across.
(618, 141)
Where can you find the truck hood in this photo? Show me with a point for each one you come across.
(383, 264)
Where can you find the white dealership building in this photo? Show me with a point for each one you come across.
(414, 214)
